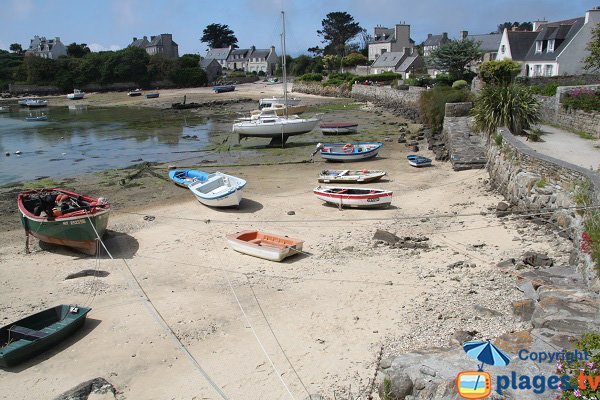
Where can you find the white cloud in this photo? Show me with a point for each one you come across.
(95, 47)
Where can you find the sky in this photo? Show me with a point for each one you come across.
(112, 24)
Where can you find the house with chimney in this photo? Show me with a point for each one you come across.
(46, 48)
(554, 48)
(162, 45)
(220, 54)
(433, 42)
(387, 40)
(488, 44)
(253, 60)
(406, 62)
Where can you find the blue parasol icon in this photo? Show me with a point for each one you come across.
(486, 352)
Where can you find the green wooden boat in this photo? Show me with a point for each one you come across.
(61, 217)
(37, 333)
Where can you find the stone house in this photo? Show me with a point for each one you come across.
(46, 48)
(253, 60)
(557, 48)
(405, 62)
(212, 67)
(488, 44)
(220, 54)
(387, 40)
(162, 44)
(433, 42)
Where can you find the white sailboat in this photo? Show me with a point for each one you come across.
(277, 128)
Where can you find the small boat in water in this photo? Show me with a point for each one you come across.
(340, 128)
(39, 332)
(264, 245)
(348, 151)
(36, 103)
(135, 93)
(76, 95)
(152, 95)
(219, 190)
(223, 88)
(23, 102)
(418, 161)
(185, 177)
(42, 117)
(62, 217)
(350, 176)
(354, 197)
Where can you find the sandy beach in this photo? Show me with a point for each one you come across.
(322, 319)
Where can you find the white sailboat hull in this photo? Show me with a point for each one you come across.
(276, 127)
(219, 190)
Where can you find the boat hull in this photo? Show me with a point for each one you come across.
(76, 96)
(338, 129)
(351, 177)
(271, 251)
(418, 161)
(152, 95)
(77, 231)
(223, 89)
(56, 324)
(186, 177)
(275, 129)
(213, 194)
(277, 100)
(374, 200)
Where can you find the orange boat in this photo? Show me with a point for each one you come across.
(264, 245)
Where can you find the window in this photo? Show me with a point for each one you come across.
(538, 46)
(550, 46)
(502, 49)
(537, 70)
(548, 70)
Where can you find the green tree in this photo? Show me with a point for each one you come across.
(16, 48)
(331, 63)
(316, 51)
(127, 65)
(218, 36)
(522, 26)
(592, 62)
(77, 50)
(512, 106)
(189, 60)
(354, 59)
(160, 68)
(454, 57)
(338, 29)
(501, 72)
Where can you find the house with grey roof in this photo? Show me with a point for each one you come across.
(212, 68)
(488, 44)
(220, 54)
(558, 48)
(515, 44)
(253, 60)
(386, 40)
(405, 62)
(162, 45)
(433, 42)
(46, 48)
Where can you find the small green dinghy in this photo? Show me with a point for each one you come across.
(37, 333)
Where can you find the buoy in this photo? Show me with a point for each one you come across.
(7, 154)
(18, 152)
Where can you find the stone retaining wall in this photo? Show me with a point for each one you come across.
(320, 90)
(533, 181)
(403, 102)
(92, 87)
(577, 120)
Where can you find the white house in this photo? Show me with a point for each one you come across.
(389, 40)
(253, 60)
(220, 54)
(46, 48)
(405, 62)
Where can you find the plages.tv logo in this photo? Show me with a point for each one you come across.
(478, 384)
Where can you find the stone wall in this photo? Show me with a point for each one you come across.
(92, 87)
(466, 147)
(320, 90)
(404, 102)
(531, 181)
(552, 112)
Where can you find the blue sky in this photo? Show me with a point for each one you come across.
(111, 24)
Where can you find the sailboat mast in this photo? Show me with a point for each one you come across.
(283, 63)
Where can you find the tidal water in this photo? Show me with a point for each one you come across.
(81, 139)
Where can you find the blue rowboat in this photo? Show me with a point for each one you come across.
(152, 95)
(38, 118)
(219, 190)
(223, 88)
(418, 161)
(185, 177)
(349, 151)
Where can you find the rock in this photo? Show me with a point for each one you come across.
(523, 309)
(460, 336)
(348, 249)
(415, 148)
(386, 237)
(96, 386)
(385, 363)
(458, 264)
(537, 259)
(425, 370)
(502, 206)
(528, 290)
(401, 385)
(291, 213)
(506, 263)
(514, 341)
(486, 312)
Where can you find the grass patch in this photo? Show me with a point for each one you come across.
(42, 183)
(581, 193)
(585, 135)
(541, 183)
(498, 139)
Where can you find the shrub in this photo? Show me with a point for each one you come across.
(498, 139)
(442, 80)
(582, 99)
(383, 77)
(535, 135)
(354, 59)
(432, 104)
(421, 81)
(512, 106)
(589, 343)
(402, 87)
(460, 84)
(499, 72)
(591, 237)
(549, 89)
(310, 77)
(262, 73)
